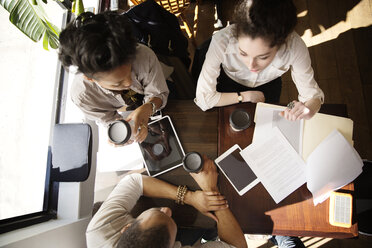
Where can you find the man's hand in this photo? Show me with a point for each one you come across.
(207, 177)
(140, 116)
(205, 202)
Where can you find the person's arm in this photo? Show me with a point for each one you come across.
(150, 74)
(310, 96)
(204, 201)
(141, 116)
(153, 86)
(206, 94)
(248, 96)
(228, 227)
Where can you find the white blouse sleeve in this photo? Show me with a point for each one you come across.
(302, 72)
(206, 94)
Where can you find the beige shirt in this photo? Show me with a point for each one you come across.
(224, 51)
(104, 228)
(101, 104)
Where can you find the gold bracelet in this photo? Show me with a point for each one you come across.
(181, 192)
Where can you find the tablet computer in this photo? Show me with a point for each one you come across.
(161, 150)
(237, 171)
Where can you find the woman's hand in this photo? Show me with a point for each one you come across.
(205, 202)
(253, 96)
(140, 117)
(297, 111)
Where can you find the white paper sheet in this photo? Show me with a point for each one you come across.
(276, 163)
(333, 164)
(267, 117)
(111, 158)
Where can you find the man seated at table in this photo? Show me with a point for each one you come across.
(113, 226)
(117, 73)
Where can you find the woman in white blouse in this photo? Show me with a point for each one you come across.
(245, 61)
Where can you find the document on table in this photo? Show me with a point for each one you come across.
(333, 164)
(277, 164)
(322, 125)
(120, 158)
(267, 118)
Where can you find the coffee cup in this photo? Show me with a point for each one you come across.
(239, 120)
(119, 132)
(193, 162)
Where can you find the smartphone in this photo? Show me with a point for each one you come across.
(237, 171)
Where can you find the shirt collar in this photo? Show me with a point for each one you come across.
(232, 46)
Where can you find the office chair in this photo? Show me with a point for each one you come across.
(71, 152)
(175, 7)
(363, 197)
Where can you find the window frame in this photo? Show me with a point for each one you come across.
(51, 188)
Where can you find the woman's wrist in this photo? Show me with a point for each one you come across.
(247, 96)
(313, 105)
(149, 108)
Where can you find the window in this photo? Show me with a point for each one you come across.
(28, 93)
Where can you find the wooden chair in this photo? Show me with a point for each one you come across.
(175, 7)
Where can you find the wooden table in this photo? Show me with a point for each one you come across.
(257, 212)
(197, 131)
(209, 133)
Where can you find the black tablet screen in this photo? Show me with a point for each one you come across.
(161, 148)
(237, 170)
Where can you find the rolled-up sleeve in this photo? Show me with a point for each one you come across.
(303, 74)
(152, 78)
(206, 94)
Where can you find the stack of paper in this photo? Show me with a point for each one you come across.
(331, 160)
(333, 164)
(276, 164)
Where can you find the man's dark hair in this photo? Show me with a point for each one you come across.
(97, 43)
(136, 237)
(271, 20)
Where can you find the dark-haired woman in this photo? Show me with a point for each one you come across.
(116, 73)
(245, 61)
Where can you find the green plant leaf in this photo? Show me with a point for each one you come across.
(8, 4)
(24, 17)
(52, 39)
(31, 20)
(79, 8)
(46, 41)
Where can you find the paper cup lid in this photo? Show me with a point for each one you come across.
(192, 162)
(119, 132)
(239, 119)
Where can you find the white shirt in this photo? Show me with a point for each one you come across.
(223, 50)
(104, 228)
